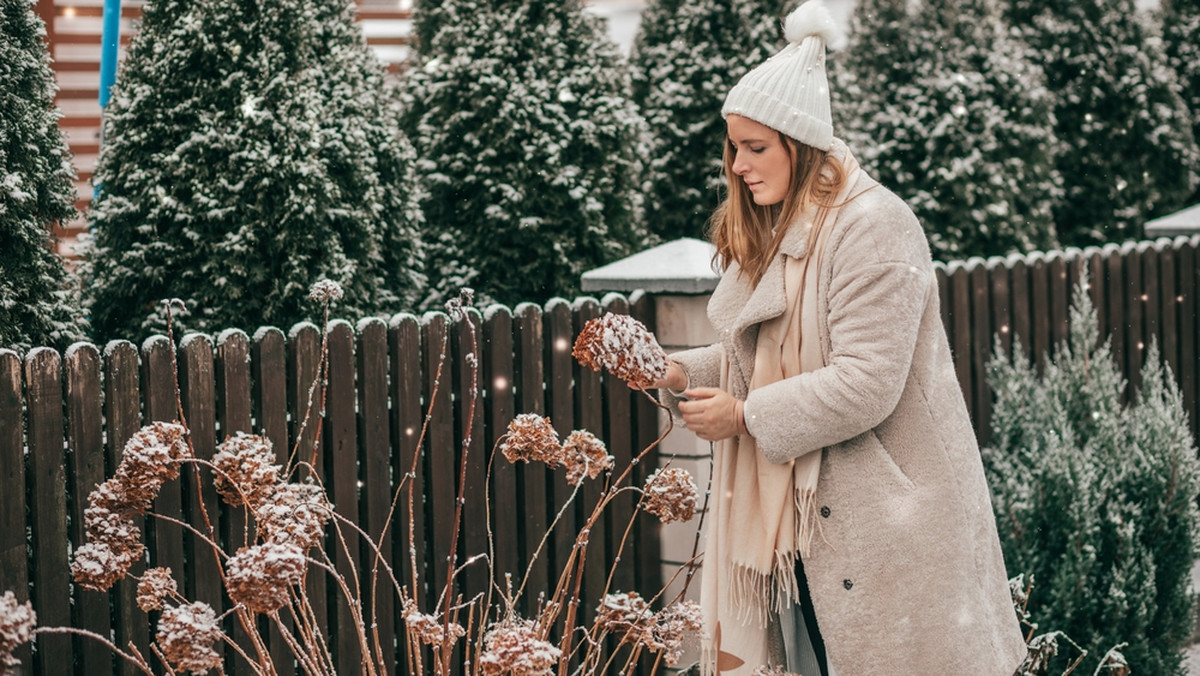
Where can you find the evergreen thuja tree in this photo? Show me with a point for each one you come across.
(1096, 499)
(1180, 21)
(686, 58)
(530, 149)
(951, 113)
(1127, 150)
(37, 303)
(250, 150)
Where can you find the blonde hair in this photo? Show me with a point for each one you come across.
(742, 230)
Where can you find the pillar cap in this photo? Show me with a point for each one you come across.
(683, 266)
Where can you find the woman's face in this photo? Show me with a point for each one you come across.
(760, 158)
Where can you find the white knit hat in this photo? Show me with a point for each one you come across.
(789, 92)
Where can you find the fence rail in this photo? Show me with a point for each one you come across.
(79, 409)
(64, 420)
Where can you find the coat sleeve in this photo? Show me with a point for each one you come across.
(879, 285)
(703, 368)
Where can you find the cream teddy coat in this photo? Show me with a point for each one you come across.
(907, 576)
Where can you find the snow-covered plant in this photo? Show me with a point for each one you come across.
(945, 108)
(1180, 22)
(1127, 151)
(250, 149)
(1095, 498)
(530, 151)
(37, 303)
(687, 55)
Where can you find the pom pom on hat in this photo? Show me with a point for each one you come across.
(789, 92)
(825, 19)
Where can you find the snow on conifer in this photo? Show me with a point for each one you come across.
(948, 111)
(687, 55)
(38, 305)
(1127, 150)
(250, 150)
(530, 151)
(1180, 23)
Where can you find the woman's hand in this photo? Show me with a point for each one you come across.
(712, 414)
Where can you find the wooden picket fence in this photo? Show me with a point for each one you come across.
(64, 420)
(1143, 292)
(80, 408)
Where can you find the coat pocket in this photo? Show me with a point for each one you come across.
(875, 463)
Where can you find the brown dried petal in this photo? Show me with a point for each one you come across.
(531, 437)
(670, 494)
(186, 635)
(259, 576)
(98, 565)
(152, 455)
(673, 627)
(513, 647)
(247, 469)
(156, 586)
(585, 455)
(624, 346)
(627, 615)
(296, 513)
(430, 629)
(17, 621)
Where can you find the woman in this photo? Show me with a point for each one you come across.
(852, 531)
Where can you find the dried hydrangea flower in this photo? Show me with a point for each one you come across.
(627, 615)
(258, 577)
(17, 621)
(765, 670)
(156, 586)
(624, 346)
(152, 456)
(584, 455)
(670, 494)
(186, 635)
(325, 290)
(98, 565)
(296, 513)
(531, 437)
(673, 626)
(513, 647)
(248, 472)
(117, 495)
(430, 629)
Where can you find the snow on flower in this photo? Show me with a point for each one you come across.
(673, 626)
(670, 494)
(531, 437)
(513, 647)
(259, 576)
(296, 513)
(156, 586)
(624, 346)
(429, 629)
(248, 473)
(152, 457)
(186, 635)
(325, 290)
(584, 455)
(627, 615)
(17, 621)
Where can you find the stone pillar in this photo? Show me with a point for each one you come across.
(679, 277)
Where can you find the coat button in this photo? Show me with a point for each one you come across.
(825, 512)
(847, 584)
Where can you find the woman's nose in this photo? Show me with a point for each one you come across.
(739, 167)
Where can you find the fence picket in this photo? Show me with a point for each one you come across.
(533, 479)
(468, 363)
(497, 375)
(560, 374)
(14, 560)
(404, 343)
(376, 501)
(1188, 331)
(122, 415)
(442, 454)
(646, 420)
(619, 435)
(164, 539)
(51, 576)
(198, 396)
(981, 347)
(85, 444)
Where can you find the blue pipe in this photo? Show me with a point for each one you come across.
(110, 38)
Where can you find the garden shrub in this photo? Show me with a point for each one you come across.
(1095, 497)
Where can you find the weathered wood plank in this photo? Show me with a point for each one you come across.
(560, 374)
(51, 575)
(473, 451)
(589, 408)
(408, 420)
(618, 434)
(85, 451)
(534, 480)
(440, 447)
(981, 341)
(14, 560)
(198, 394)
(163, 539)
(376, 498)
(500, 409)
(122, 414)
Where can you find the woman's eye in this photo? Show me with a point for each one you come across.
(757, 151)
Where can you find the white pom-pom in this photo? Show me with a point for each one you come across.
(826, 19)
